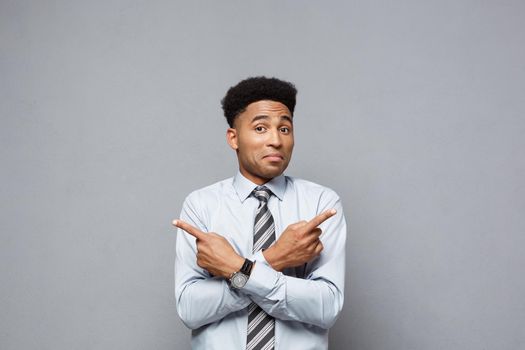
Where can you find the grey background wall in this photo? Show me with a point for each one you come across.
(413, 111)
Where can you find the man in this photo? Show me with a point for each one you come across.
(250, 272)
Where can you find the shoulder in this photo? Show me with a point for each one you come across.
(310, 189)
(209, 193)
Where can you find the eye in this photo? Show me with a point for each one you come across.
(260, 128)
(285, 130)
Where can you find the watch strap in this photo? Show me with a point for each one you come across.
(246, 267)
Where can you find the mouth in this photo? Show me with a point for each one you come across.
(274, 157)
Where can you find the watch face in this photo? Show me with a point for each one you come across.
(238, 280)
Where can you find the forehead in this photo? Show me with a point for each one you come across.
(264, 108)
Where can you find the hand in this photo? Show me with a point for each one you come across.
(298, 244)
(214, 252)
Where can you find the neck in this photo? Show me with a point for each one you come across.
(259, 181)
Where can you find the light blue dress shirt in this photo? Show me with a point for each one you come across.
(305, 301)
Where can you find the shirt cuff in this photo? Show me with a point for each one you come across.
(263, 277)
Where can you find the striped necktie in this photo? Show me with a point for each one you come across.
(261, 326)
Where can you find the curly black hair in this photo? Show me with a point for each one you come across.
(256, 89)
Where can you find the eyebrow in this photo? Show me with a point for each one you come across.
(283, 117)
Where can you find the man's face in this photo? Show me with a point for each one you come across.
(263, 139)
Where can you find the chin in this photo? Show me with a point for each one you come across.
(272, 173)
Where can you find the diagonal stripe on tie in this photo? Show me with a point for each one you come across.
(263, 233)
(269, 345)
(263, 219)
(263, 224)
(252, 326)
(262, 215)
(265, 334)
(252, 307)
(266, 239)
(261, 326)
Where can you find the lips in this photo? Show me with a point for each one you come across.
(276, 157)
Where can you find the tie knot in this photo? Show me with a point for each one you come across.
(262, 193)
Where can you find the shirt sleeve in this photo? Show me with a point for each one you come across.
(200, 298)
(316, 299)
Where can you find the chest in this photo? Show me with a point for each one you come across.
(235, 220)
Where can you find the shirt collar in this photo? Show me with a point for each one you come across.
(244, 187)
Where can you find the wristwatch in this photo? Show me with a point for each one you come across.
(238, 279)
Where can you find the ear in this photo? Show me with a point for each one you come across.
(231, 138)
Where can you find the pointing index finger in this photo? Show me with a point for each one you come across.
(192, 230)
(319, 219)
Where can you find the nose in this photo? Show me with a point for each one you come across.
(274, 139)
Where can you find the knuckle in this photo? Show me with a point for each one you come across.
(316, 231)
(298, 225)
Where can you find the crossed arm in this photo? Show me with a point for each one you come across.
(317, 299)
(298, 244)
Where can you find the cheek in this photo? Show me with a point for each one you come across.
(249, 150)
(290, 143)
(254, 147)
